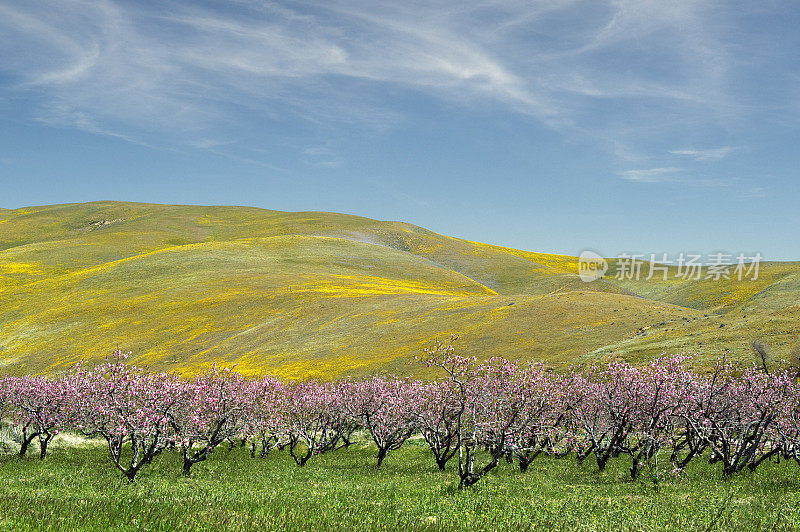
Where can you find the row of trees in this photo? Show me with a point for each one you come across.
(478, 414)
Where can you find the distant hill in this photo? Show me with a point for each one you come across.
(322, 294)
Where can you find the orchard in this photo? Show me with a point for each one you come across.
(658, 417)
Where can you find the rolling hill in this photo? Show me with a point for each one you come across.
(322, 294)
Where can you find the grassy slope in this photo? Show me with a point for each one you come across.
(78, 489)
(323, 294)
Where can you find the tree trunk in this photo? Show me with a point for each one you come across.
(466, 467)
(300, 459)
(382, 452)
(43, 447)
(635, 468)
(26, 442)
(189, 459)
(264, 448)
(602, 460)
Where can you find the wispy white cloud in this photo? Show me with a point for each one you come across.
(650, 175)
(322, 157)
(626, 154)
(187, 74)
(712, 154)
(748, 193)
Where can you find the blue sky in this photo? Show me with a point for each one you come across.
(621, 126)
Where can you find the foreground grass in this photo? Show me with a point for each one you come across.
(75, 489)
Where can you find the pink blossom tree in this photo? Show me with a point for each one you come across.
(435, 416)
(343, 417)
(129, 407)
(5, 403)
(385, 408)
(479, 412)
(212, 409)
(265, 417)
(787, 426)
(661, 390)
(310, 420)
(739, 416)
(601, 410)
(480, 419)
(623, 409)
(538, 427)
(41, 409)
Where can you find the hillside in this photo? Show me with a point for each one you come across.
(323, 294)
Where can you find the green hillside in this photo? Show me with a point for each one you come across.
(323, 294)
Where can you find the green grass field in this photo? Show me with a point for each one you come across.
(76, 488)
(314, 294)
